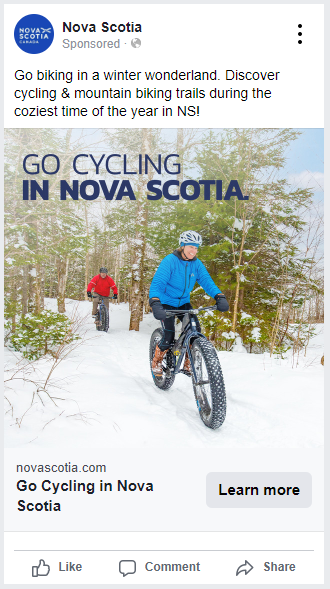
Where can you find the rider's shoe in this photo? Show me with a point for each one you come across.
(156, 365)
(94, 316)
(187, 365)
(186, 369)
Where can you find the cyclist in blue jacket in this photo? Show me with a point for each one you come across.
(171, 286)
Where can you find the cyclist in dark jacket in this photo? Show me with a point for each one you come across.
(171, 286)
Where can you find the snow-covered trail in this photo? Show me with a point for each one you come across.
(114, 403)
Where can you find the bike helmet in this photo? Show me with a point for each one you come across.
(190, 238)
(103, 270)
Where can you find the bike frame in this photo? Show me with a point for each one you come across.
(100, 304)
(189, 330)
(99, 307)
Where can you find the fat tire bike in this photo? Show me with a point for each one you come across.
(101, 316)
(206, 373)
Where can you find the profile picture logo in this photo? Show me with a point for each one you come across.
(34, 33)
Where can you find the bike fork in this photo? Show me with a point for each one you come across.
(192, 365)
(192, 362)
(183, 352)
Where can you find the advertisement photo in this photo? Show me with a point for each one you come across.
(164, 287)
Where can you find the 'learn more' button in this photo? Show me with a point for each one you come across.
(258, 489)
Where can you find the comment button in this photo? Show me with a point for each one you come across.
(127, 567)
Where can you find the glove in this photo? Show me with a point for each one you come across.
(222, 303)
(158, 310)
(115, 296)
(89, 294)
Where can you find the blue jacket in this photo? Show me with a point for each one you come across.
(175, 278)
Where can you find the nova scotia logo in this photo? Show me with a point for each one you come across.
(34, 33)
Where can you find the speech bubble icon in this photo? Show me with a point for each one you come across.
(127, 567)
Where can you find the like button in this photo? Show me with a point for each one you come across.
(42, 570)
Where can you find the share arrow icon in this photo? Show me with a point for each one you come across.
(246, 568)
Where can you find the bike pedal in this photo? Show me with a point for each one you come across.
(185, 372)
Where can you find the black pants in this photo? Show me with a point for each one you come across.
(168, 326)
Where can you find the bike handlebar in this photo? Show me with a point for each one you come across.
(101, 297)
(170, 312)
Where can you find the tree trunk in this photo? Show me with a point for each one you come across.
(139, 246)
(31, 289)
(39, 288)
(241, 299)
(146, 301)
(86, 275)
(42, 287)
(25, 291)
(14, 302)
(116, 273)
(62, 272)
(238, 276)
(37, 291)
(51, 279)
(137, 276)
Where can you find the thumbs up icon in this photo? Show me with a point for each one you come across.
(42, 570)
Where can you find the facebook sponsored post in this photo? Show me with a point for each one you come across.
(164, 311)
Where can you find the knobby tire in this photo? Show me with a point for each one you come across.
(162, 382)
(103, 319)
(211, 397)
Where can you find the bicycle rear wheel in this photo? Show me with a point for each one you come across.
(209, 390)
(165, 381)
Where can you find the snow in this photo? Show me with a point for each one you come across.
(106, 397)
(256, 334)
(245, 315)
(238, 347)
(228, 334)
(239, 224)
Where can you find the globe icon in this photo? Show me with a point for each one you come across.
(136, 43)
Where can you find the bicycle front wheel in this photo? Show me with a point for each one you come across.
(103, 319)
(209, 390)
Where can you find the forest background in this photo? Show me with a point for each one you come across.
(265, 253)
